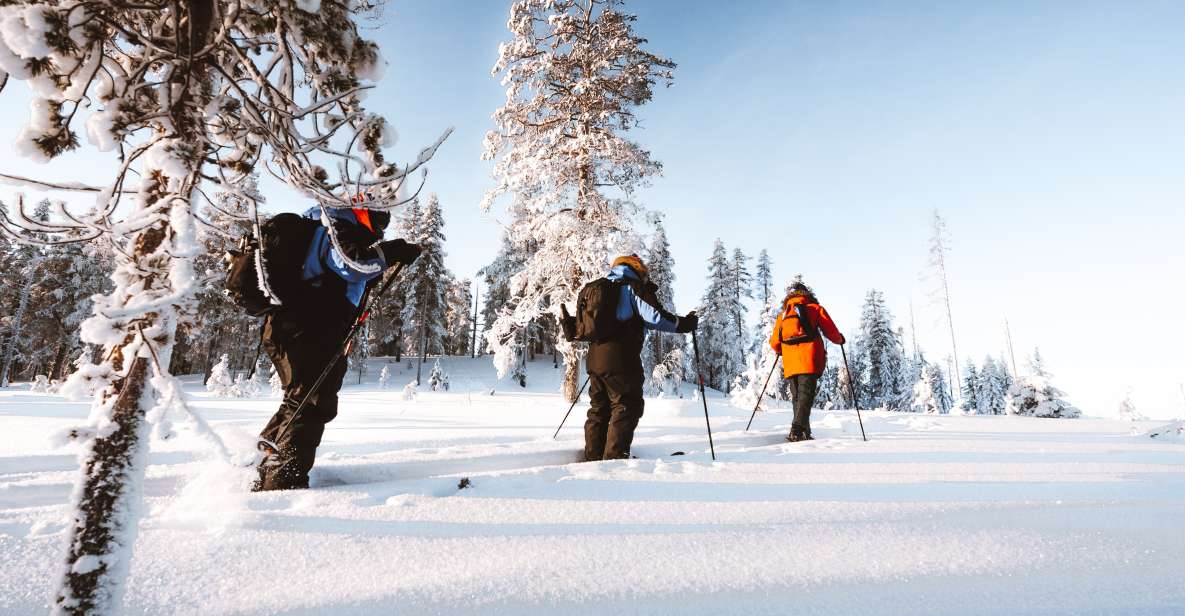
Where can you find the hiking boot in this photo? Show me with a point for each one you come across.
(794, 437)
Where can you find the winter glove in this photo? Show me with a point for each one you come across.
(567, 324)
(399, 251)
(687, 323)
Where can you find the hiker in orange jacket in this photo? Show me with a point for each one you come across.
(796, 337)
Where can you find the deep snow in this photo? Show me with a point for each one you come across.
(934, 515)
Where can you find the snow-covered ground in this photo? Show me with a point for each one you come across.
(933, 515)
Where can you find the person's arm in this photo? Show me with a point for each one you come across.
(356, 243)
(775, 338)
(652, 317)
(828, 326)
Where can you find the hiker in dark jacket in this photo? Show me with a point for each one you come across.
(302, 338)
(615, 374)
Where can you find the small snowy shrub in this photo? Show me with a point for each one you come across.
(438, 380)
(409, 391)
(40, 384)
(221, 383)
(1127, 410)
(1033, 396)
(385, 378)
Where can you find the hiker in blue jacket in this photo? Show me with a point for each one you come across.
(345, 254)
(615, 374)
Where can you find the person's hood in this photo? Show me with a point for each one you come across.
(623, 271)
(796, 298)
(379, 219)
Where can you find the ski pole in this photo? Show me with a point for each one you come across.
(702, 394)
(852, 390)
(578, 394)
(763, 387)
(342, 351)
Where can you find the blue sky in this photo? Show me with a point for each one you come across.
(1049, 135)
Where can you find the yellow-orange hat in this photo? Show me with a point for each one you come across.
(634, 262)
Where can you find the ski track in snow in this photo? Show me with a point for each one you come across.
(934, 515)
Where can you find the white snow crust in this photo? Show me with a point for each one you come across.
(935, 514)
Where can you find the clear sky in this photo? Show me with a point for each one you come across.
(1049, 134)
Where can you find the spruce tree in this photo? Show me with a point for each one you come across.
(658, 347)
(880, 355)
(721, 354)
(575, 72)
(424, 313)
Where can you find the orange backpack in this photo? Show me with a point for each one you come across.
(797, 327)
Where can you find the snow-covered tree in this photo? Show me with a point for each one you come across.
(721, 352)
(994, 383)
(184, 93)
(28, 260)
(385, 377)
(438, 380)
(458, 317)
(1127, 409)
(763, 281)
(1034, 395)
(574, 72)
(939, 250)
(742, 289)
(830, 394)
(221, 381)
(930, 393)
(662, 265)
(968, 402)
(879, 358)
(424, 313)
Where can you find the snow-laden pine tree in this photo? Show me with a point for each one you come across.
(994, 383)
(939, 250)
(829, 394)
(968, 402)
(183, 93)
(427, 284)
(458, 317)
(930, 392)
(658, 347)
(882, 375)
(385, 377)
(721, 352)
(574, 72)
(1034, 395)
(742, 289)
(763, 280)
(28, 260)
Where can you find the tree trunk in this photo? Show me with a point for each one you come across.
(571, 387)
(10, 348)
(101, 542)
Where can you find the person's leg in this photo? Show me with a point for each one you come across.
(792, 386)
(297, 440)
(625, 396)
(599, 413)
(805, 386)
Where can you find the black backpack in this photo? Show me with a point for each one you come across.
(596, 311)
(278, 254)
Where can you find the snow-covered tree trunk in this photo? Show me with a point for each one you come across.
(939, 249)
